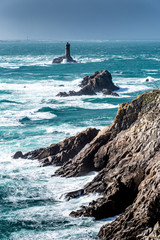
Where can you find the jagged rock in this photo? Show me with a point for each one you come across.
(92, 159)
(99, 81)
(62, 152)
(108, 92)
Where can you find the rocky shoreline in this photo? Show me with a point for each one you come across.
(126, 156)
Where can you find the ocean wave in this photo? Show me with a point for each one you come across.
(9, 101)
(35, 200)
(81, 59)
(15, 62)
(14, 118)
(36, 115)
(67, 129)
(78, 102)
(154, 58)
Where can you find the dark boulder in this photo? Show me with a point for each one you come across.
(18, 154)
(99, 81)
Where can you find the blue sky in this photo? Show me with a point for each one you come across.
(80, 19)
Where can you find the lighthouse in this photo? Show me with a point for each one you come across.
(67, 50)
(66, 58)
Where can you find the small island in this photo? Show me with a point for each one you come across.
(66, 58)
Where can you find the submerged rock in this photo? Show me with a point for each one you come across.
(74, 194)
(99, 81)
(66, 58)
(108, 92)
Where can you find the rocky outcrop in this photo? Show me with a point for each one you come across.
(126, 155)
(62, 152)
(99, 81)
(63, 59)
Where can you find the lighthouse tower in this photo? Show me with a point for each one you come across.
(66, 58)
(67, 51)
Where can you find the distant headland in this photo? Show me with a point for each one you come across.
(66, 58)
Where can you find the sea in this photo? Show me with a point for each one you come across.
(32, 202)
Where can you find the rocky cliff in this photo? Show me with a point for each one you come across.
(127, 157)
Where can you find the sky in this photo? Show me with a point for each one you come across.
(80, 20)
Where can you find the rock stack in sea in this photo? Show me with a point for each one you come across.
(98, 82)
(126, 156)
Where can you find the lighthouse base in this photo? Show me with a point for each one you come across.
(63, 59)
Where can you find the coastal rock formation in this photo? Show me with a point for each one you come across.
(61, 152)
(126, 155)
(66, 58)
(99, 81)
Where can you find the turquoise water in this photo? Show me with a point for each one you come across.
(33, 117)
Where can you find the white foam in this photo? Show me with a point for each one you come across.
(64, 61)
(154, 58)
(18, 61)
(149, 79)
(90, 59)
(11, 118)
(33, 115)
(66, 129)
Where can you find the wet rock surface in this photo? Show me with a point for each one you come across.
(99, 81)
(126, 156)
